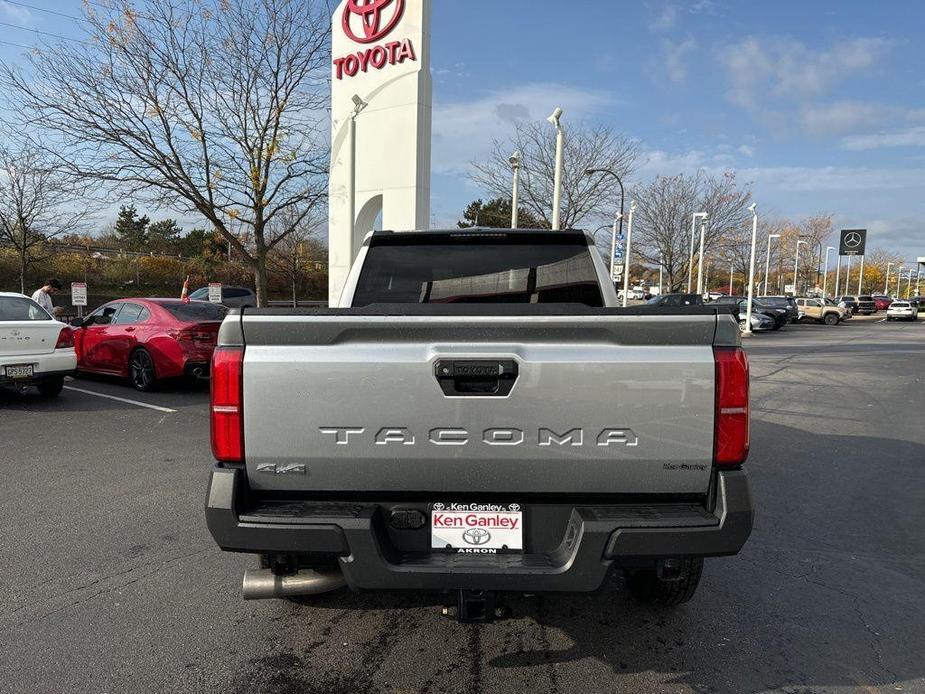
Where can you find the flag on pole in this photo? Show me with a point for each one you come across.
(184, 295)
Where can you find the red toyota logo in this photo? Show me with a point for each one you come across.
(370, 14)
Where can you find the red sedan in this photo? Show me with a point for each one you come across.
(882, 302)
(146, 340)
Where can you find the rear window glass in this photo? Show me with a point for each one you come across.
(865, 298)
(21, 308)
(195, 311)
(474, 270)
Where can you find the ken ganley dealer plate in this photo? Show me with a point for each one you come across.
(477, 528)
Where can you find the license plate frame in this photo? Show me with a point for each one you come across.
(19, 371)
(476, 528)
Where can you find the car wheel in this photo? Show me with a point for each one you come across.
(742, 325)
(141, 371)
(646, 585)
(830, 319)
(51, 387)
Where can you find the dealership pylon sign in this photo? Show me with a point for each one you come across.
(380, 79)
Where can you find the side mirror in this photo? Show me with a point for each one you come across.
(77, 323)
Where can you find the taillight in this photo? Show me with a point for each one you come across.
(730, 445)
(65, 339)
(227, 414)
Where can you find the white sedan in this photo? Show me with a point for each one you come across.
(902, 310)
(35, 349)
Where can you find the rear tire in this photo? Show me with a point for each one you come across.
(51, 387)
(141, 371)
(830, 319)
(647, 587)
(742, 326)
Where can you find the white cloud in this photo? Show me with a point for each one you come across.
(674, 55)
(842, 116)
(15, 13)
(908, 137)
(788, 70)
(464, 131)
(746, 150)
(834, 178)
(665, 19)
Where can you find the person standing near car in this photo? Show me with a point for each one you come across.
(42, 295)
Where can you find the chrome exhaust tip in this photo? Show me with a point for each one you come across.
(263, 584)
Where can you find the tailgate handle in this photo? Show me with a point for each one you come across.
(476, 377)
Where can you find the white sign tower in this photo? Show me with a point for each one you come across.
(381, 55)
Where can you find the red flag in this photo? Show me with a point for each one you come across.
(184, 295)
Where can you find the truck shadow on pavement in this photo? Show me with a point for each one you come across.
(827, 593)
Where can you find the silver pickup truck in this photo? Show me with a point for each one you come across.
(478, 416)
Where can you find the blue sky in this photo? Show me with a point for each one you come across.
(818, 104)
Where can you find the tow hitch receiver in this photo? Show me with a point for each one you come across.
(476, 607)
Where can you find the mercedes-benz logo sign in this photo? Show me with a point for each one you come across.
(369, 13)
(853, 240)
(476, 536)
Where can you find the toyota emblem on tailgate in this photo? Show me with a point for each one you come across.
(476, 536)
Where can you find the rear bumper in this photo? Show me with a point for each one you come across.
(591, 539)
(56, 364)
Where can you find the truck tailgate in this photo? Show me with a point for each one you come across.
(601, 404)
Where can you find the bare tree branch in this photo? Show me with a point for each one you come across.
(213, 107)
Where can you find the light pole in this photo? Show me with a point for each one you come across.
(909, 285)
(861, 277)
(899, 274)
(515, 191)
(609, 172)
(557, 182)
(825, 273)
(731, 267)
(796, 268)
(613, 241)
(661, 272)
(358, 106)
(703, 231)
(767, 262)
(886, 285)
(918, 279)
(838, 278)
(753, 208)
(629, 241)
(690, 260)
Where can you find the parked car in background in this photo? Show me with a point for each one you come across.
(232, 297)
(636, 294)
(147, 340)
(863, 305)
(821, 311)
(35, 349)
(674, 300)
(780, 316)
(788, 303)
(760, 321)
(882, 302)
(902, 310)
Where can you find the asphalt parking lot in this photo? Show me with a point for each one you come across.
(110, 581)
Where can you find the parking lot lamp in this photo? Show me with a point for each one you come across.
(358, 106)
(613, 241)
(661, 272)
(838, 278)
(515, 191)
(825, 273)
(796, 268)
(753, 208)
(899, 279)
(886, 284)
(629, 242)
(767, 262)
(909, 285)
(557, 180)
(861, 276)
(690, 260)
(703, 231)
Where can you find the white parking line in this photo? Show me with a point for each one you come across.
(125, 400)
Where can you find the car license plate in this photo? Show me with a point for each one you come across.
(477, 528)
(19, 371)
